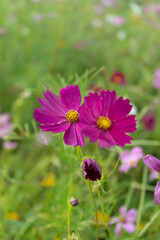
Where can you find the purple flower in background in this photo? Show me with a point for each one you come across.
(154, 163)
(99, 9)
(115, 20)
(148, 121)
(81, 44)
(43, 139)
(91, 170)
(126, 220)
(10, 145)
(5, 125)
(153, 174)
(61, 115)
(3, 32)
(105, 118)
(108, 3)
(130, 159)
(38, 17)
(156, 80)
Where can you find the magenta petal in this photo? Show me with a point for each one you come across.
(157, 193)
(71, 97)
(128, 124)
(53, 105)
(118, 229)
(152, 162)
(43, 116)
(115, 220)
(80, 137)
(120, 109)
(120, 137)
(92, 132)
(131, 215)
(56, 103)
(93, 103)
(55, 128)
(108, 99)
(85, 116)
(129, 227)
(73, 136)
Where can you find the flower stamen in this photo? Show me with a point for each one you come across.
(104, 123)
(72, 116)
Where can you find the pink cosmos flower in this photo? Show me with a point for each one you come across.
(10, 145)
(126, 220)
(148, 121)
(154, 163)
(130, 159)
(5, 125)
(115, 20)
(104, 118)
(118, 78)
(61, 115)
(156, 80)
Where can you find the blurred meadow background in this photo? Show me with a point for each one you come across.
(48, 44)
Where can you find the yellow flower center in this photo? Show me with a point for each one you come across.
(104, 123)
(72, 116)
(117, 79)
(122, 219)
(132, 162)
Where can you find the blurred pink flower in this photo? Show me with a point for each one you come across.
(43, 139)
(81, 44)
(5, 125)
(3, 32)
(115, 20)
(118, 78)
(154, 163)
(156, 80)
(148, 121)
(130, 159)
(10, 145)
(126, 220)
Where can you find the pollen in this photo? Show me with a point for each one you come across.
(104, 123)
(72, 116)
(122, 219)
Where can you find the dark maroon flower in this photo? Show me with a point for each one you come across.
(148, 121)
(91, 170)
(118, 78)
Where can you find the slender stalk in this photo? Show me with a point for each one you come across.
(95, 208)
(149, 224)
(142, 196)
(69, 218)
(102, 204)
(129, 196)
(145, 143)
(114, 168)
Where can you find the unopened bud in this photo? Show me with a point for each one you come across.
(74, 202)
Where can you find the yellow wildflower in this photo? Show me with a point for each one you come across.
(141, 226)
(49, 180)
(100, 217)
(13, 216)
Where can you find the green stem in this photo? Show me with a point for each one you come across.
(102, 204)
(129, 196)
(145, 143)
(95, 208)
(69, 219)
(114, 168)
(142, 196)
(148, 224)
